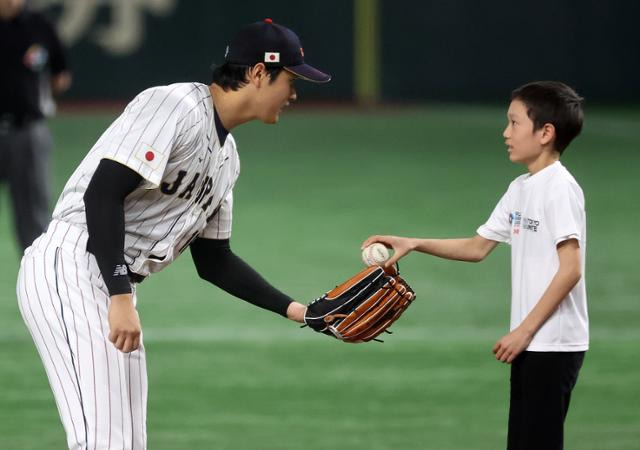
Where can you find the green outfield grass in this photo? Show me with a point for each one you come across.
(224, 375)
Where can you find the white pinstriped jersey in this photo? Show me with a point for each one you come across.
(167, 134)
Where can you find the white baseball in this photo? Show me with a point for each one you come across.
(375, 254)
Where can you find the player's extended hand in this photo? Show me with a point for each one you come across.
(400, 245)
(511, 345)
(124, 323)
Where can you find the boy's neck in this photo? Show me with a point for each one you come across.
(545, 159)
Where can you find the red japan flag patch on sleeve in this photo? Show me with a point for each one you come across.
(149, 156)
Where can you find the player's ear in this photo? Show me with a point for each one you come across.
(548, 133)
(257, 74)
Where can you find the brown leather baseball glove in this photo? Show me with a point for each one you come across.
(362, 307)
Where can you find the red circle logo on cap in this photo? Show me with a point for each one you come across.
(268, 20)
(149, 155)
(272, 57)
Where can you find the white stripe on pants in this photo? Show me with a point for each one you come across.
(101, 393)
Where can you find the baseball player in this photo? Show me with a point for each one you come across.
(158, 181)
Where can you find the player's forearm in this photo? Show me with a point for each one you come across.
(216, 263)
(105, 225)
(472, 249)
(105, 246)
(104, 209)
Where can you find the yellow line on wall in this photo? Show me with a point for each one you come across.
(366, 71)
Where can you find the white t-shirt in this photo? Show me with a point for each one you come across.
(168, 135)
(535, 214)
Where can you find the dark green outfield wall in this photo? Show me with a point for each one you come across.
(474, 50)
(180, 44)
(430, 50)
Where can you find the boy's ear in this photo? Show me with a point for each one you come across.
(548, 133)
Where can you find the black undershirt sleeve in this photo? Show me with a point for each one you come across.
(216, 263)
(104, 206)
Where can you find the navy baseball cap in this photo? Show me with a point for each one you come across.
(275, 46)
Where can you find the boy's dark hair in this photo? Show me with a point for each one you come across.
(556, 103)
(233, 76)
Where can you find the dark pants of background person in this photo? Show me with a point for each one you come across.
(541, 385)
(25, 159)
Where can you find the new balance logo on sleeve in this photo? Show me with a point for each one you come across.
(121, 269)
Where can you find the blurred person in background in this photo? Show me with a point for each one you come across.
(34, 68)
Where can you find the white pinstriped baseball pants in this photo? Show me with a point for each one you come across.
(101, 393)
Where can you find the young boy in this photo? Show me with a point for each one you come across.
(542, 217)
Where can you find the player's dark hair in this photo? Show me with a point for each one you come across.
(233, 76)
(556, 103)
